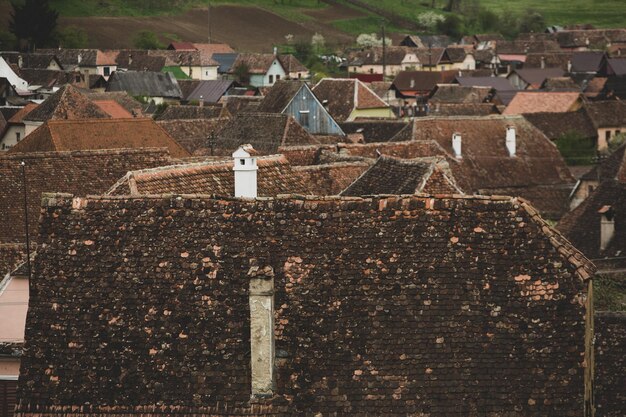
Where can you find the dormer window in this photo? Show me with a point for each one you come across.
(242, 161)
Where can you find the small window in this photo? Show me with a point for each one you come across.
(271, 79)
(18, 136)
(277, 77)
(242, 161)
(304, 118)
(590, 189)
(207, 73)
(607, 135)
(77, 78)
(299, 75)
(107, 71)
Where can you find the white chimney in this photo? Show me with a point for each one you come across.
(569, 65)
(20, 61)
(543, 62)
(262, 351)
(607, 226)
(245, 172)
(511, 140)
(275, 51)
(79, 58)
(456, 145)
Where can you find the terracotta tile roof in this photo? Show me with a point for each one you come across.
(274, 177)
(387, 298)
(183, 58)
(291, 64)
(455, 93)
(609, 113)
(75, 135)
(550, 59)
(30, 60)
(538, 101)
(23, 113)
(81, 172)
(106, 57)
(560, 84)
(242, 104)
(45, 77)
(610, 168)
(462, 109)
(596, 38)
(394, 55)
(374, 130)
(391, 175)
(182, 46)
(186, 112)
(346, 95)
(279, 96)
(555, 125)
(256, 63)
(213, 48)
(610, 341)
(264, 131)
(422, 81)
(122, 98)
(67, 103)
(194, 134)
(331, 178)
(523, 47)
(113, 109)
(486, 165)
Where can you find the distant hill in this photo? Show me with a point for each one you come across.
(255, 25)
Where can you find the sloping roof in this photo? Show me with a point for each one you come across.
(85, 134)
(181, 46)
(498, 83)
(210, 91)
(150, 84)
(537, 170)
(256, 63)
(560, 84)
(536, 76)
(462, 109)
(194, 134)
(81, 172)
(555, 125)
(45, 77)
(523, 47)
(211, 49)
(113, 109)
(608, 113)
(242, 104)
(610, 167)
(582, 225)
(596, 38)
(225, 61)
(455, 93)
(279, 96)
(550, 59)
(120, 97)
(345, 95)
(374, 130)
(381, 88)
(183, 58)
(391, 175)
(456, 54)
(394, 55)
(184, 112)
(71, 58)
(67, 103)
(539, 101)
(617, 65)
(587, 61)
(331, 178)
(274, 176)
(291, 64)
(435, 41)
(23, 113)
(264, 131)
(395, 296)
(34, 60)
(614, 87)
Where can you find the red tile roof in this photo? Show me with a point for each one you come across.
(20, 115)
(113, 109)
(73, 135)
(539, 101)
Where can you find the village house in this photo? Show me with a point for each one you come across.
(609, 120)
(296, 99)
(42, 61)
(7, 72)
(86, 61)
(396, 59)
(349, 99)
(193, 64)
(411, 88)
(15, 129)
(67, 103)
(257, 327)
(532, 78)
(265, 69)
(92, 134)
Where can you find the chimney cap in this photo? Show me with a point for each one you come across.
(245, 151)
(605, 210)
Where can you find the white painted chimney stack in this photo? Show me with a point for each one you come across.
(607, 226)
(245, 172)
(456, 145)
(511, 140)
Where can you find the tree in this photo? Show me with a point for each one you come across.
(318, 42)
(73, 38)
(451, 26)
(242, 74)
(532, 21)
(146, 39)
(366, 40)
(429, 20)
(33, 22)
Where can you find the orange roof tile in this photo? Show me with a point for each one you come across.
(20, 115)
(533, 102)
(112, 108)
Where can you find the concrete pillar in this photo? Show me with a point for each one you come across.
(262, 330)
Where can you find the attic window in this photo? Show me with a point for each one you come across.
(107, 71)
(242, 161)
(304, 118)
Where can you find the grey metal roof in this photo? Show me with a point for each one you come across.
(226, 61)
(210, 91)
(145, 83)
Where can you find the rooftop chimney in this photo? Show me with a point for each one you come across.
(20, 61)
(262, 352)
(569, 65)
(79, 58)
(511, 140)
(607, 226)
(245, 172)
(275, 51)
(130, 59)
(456, 145)
(543, 62)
